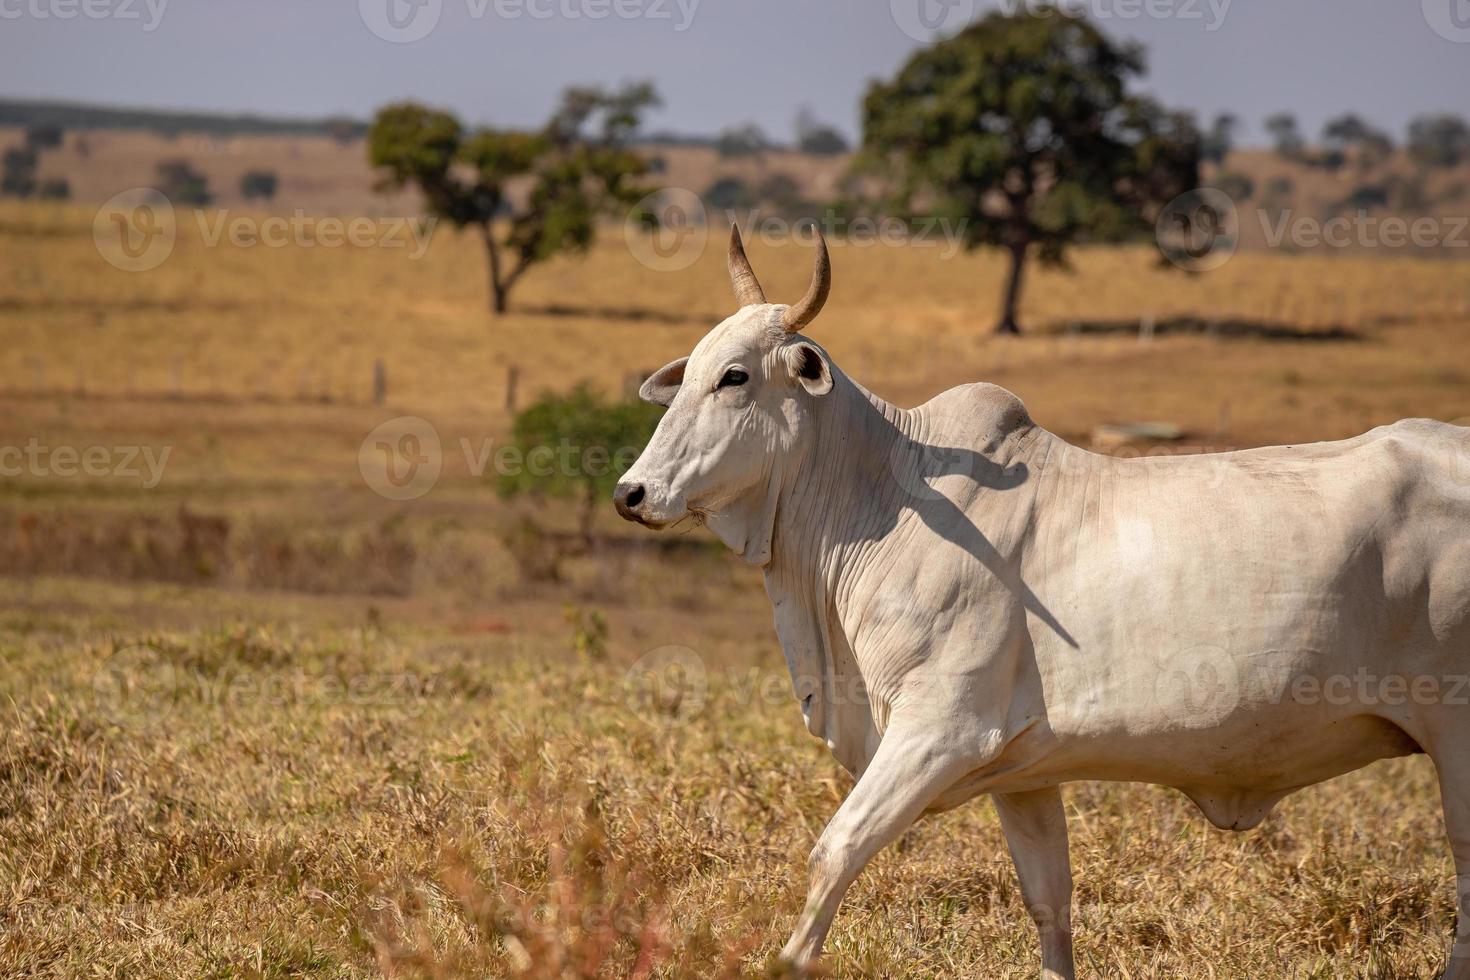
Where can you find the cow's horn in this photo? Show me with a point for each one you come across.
(806, 310)
(742, 277)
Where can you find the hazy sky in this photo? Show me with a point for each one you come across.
(716, 62)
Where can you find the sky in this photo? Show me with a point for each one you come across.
(715, 62)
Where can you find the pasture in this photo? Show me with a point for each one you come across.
(259, 719)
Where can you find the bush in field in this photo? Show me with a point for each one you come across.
(579, 166)
(1350, 134)
(54, 189)
(747, 140)
(18, 175)
(1280, 193)
(1239, 187)
(43, 137)
(577, 445)
(729, 194)
(1022, 132)
(1217, 142)
(1439, 141)
(182, 184)
(1286, 136)
(258, 184)
(817, 138)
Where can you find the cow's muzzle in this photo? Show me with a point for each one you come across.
(628, 498)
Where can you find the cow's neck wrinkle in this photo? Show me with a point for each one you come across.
(830, 515)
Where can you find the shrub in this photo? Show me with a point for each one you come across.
(577, 445)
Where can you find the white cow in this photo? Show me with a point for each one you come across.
(968, 604)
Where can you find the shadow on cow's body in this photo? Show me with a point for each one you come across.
(968, 604)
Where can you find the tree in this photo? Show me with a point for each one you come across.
(729, 194)
(577, 445)
(747, 140)
(1280, 193)
(1350, 134)
(578, 166)
(1217, 143)
(780, 191)
(54, 189)
(344, 130)
(43, 137)
(1439, 141)
(258, 184)
(817, 138)
(1020, 130)
(1237, 186)
(182, 184)
(1286, 136)
(18, 174)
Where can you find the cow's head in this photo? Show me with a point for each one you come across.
(738, 411)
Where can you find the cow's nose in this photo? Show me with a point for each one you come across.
(626, 499)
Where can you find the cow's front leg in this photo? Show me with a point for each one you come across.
(1035, 826)
(905, 775)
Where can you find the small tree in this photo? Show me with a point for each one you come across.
(747, 140)
(258, 184)
(43, 137)
(1349, 134)
(1286, 136)
(1237, 186)
(18, 174)
(345, 130)
(1022, 132)
(577, 445)
(182, 184)
(1280, 193)
(1439, 141)
(54, 189)
(1216, 144)
(817, 138)
(729, 194)
(578, 166)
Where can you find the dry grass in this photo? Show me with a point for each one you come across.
(377, 751)
(493, 808)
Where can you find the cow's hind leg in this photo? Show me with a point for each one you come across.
(1035, 826)
(1454, 788)
(905, 775)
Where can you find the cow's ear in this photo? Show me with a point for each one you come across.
(663, 384)
(809, 367)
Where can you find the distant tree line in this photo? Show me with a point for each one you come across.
(1433, 141)
(75, 115)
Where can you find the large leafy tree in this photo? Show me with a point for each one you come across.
(1021, 130)
(545, 189)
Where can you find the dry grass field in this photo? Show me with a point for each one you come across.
(257, 720)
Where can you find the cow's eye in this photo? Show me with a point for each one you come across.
(734, 378)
